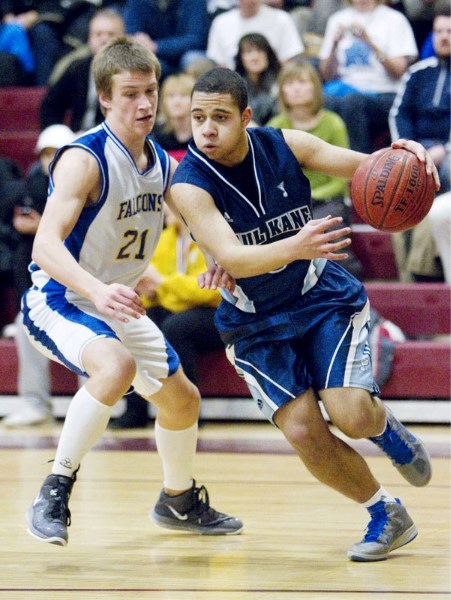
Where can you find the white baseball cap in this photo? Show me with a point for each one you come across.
(54, 136)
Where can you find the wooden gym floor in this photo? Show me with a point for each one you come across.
(296, 533)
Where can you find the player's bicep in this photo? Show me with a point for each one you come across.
(317, 155)
(75, 181)
(206, 224)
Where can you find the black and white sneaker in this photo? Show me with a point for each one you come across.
(191, 511)
(49, 515)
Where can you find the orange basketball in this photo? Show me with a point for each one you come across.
(391, 191)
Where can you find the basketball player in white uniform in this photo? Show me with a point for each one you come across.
(99, 229)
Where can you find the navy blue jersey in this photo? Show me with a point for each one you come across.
(304, 325)
(265, 198)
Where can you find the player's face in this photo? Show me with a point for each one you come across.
(132, 107)
(219, 129)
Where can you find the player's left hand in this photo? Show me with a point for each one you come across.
(423, 156)
(216, 277)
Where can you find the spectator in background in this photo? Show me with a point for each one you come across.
(259, 66)
(175, 30)
(302, 107)
(74, 91)
(11, 178)
(33, 381)
(439, 218)
(180, 308)
(252, 16)
(17, 64)
(366, 50)
(172, 129)
(54, 27)
(421, 111)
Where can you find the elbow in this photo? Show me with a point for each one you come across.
(37, 252)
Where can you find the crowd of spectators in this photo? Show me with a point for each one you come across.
(379, 71)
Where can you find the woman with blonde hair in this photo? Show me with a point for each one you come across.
(173, 126)
(301, 106)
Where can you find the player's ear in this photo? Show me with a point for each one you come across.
(105, 102)
(246, 116)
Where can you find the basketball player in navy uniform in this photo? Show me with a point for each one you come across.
(99, 229)
(296, 325)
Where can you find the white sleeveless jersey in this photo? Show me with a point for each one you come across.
(115, 238)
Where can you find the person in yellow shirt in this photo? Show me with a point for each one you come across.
(174, 301)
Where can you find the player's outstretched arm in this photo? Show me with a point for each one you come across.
(215, 235)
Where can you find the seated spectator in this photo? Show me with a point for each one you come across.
(173, 125)
(199, 66)
(175, 30)
(74, 91)
(252, 16)
(54, 27)
(421, 15)
(259, 66)
(11, 179)
(301, 103)
(366, 50)
(182, 310)
(421, 112)
(33, 376)
(17, 64)
(421, 108)
(439, 218)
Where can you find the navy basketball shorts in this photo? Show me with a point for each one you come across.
(299, 350)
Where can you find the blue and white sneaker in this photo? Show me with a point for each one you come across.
(407, 452)
(191, 511)
(390, 528)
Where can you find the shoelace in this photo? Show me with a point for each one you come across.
(375, 527)
(201, 500)
(58, 502)
(404, 453)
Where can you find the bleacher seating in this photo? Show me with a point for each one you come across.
(19, 123)
(375, 251)
(19, 108)
(421, 370)
(422, 364)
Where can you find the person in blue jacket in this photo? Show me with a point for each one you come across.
(420, 111)
(175, 30)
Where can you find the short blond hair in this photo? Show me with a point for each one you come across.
(122, 54)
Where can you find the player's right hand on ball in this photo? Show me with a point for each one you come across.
(317, 240)
(120, 301)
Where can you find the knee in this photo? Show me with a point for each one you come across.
(302, 437)
(364, 419)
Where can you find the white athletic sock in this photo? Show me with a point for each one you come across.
(380, 495)
(177, 450)
(85, 422)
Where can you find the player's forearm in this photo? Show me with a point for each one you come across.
(249, 261)
(58, 263)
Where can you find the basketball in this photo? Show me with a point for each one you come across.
(391, 191)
